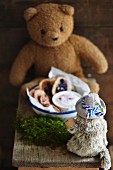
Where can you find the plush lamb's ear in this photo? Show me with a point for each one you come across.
(67, 9)
(29, 13)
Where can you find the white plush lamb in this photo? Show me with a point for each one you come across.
(90, 130)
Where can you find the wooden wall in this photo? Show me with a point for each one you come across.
(93, 19)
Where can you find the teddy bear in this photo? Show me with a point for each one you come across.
(52, 44)
(90, 129)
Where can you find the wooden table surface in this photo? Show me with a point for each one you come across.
(25, 155)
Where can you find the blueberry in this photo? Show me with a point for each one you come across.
(62, 86)
(62, 81)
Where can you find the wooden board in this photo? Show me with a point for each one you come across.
(26, 168)
(11, 13)
(11, 41)
(25, 155)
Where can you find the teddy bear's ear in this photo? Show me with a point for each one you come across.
(29, 13)
(67, 9)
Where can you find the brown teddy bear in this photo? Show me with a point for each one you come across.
(53, 44)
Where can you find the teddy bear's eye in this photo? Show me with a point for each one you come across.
(61, 29)
(42, 32)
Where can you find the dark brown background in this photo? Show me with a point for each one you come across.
(93, 19)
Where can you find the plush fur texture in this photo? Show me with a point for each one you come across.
(53, 44)
(90, 139)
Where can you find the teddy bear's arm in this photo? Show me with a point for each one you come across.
(86, 49)
(21, 65)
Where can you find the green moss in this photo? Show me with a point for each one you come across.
(43, 130)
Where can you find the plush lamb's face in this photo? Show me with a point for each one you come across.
(50, 24)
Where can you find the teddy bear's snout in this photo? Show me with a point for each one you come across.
(55, 38)
(53, 35)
